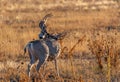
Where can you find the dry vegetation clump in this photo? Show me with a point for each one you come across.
(105, 46)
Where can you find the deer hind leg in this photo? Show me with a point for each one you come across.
(31, 64)
(56, 67)
(42, 61)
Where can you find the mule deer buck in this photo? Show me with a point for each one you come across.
(43, 50)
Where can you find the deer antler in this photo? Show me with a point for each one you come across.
(61, 35)
(46, 17)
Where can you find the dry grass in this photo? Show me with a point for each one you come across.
(99, 48)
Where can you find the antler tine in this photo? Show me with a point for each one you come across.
(46, 17)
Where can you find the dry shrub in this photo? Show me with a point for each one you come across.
(105, 46)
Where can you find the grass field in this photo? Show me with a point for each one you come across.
(96, 58)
